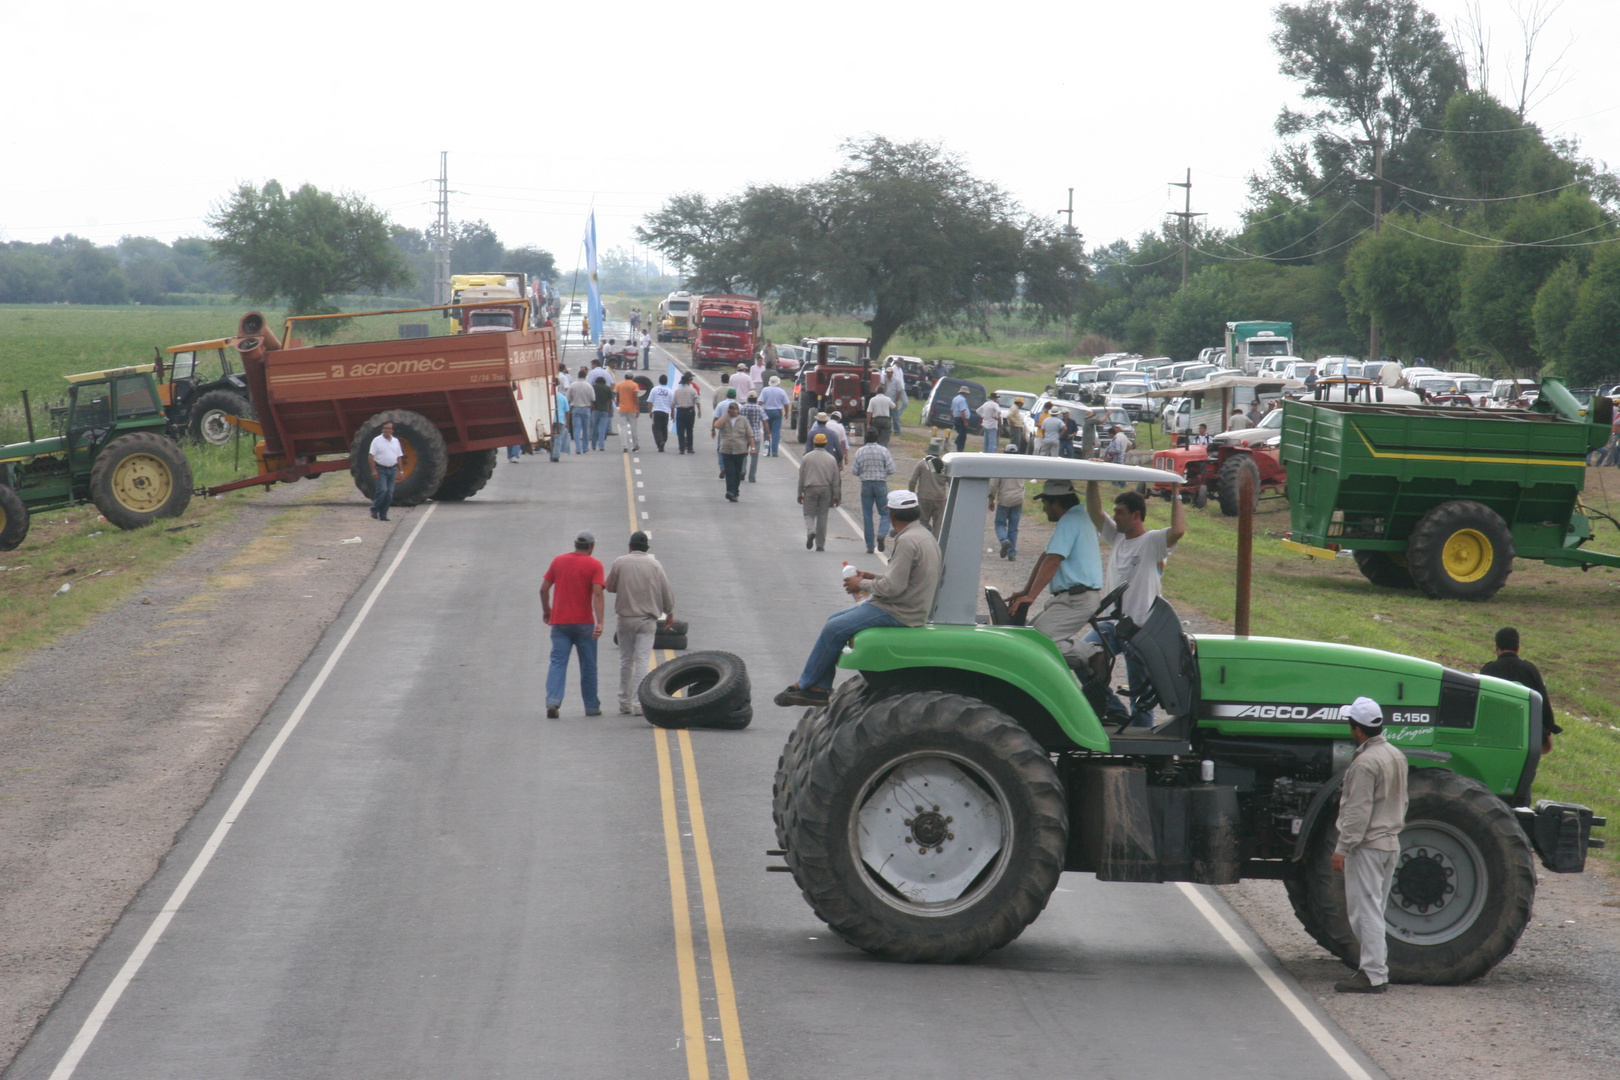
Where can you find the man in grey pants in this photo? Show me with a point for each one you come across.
(820, 485)
(641, 594)
(1372, 813)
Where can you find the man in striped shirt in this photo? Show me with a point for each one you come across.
(755, 415)
(873, 466)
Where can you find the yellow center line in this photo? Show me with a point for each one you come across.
(697, 1057)
(725, 993)
(630, 492)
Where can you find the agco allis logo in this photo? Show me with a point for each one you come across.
(1289, 712)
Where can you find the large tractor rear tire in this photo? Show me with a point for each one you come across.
(140, 477)
(807, 739)
(1460, 550)
(13, 518)
(931, 829)
(1232, 471)
(208, 423)
(1464, 885)
(421, 470)
(1385, 569)
(466, 475)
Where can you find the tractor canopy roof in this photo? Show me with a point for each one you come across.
(1025, 467)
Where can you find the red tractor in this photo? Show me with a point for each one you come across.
(1219, 469)
(839, 378)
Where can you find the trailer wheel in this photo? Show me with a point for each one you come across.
(13, 518)
(208, 413)
(1464, 884)
(421, 470)
(1385, 568)
(1232, 470)
(140, 477)
(932, 829)
(466, 474)
(1460, 550)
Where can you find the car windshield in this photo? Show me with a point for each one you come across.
(1269, 347)
(1272, 419)
(1130, 386)
(1474, 386)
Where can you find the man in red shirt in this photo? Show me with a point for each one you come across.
(575, 620)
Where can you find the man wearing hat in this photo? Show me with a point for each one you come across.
(928, 480)
(774, 400)
(1069, 572)
(742, 382)
(641, 593)
(823, 426)
(688, 407)
(901, 597)
(819, 488)
(1372, 813)
(575, 620)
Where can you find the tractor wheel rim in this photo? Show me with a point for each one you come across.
(1439, 887)
(1468, 555)
(142, 483)
(407, 460)
(214, 428)
(931, 833)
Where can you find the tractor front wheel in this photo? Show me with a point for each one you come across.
(421, 469)
(1460, 550)
(13, 518)
(932, 828)
(1233, 469)
(208, 423)
(140, 477)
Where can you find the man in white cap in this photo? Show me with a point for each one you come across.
(742, 382)
(1372, 813)
(823, 426)
(901, 597)
(774, 400)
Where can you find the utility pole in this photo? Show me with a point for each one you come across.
(1073, 238)
(441, 235)
(1374, 352)
(1186, 215)
(1069, 210)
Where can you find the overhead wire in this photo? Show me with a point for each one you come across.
(1492, 199)
(1498, 242)
(1300, 240)
(1309, 255)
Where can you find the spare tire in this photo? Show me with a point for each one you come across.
(672, 642)
(713, 685)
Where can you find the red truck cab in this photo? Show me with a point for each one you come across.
(725, 329)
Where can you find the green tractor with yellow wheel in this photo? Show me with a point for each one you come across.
(1442, 498)
(110, 448)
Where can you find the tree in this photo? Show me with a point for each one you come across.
(1407, 280)
(1592, 350)
(1553, 313)
(538, 263)
(474, 248)
(305, 247)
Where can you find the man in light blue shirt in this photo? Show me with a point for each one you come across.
(1070, 572)
(774, 400)
(961, 416)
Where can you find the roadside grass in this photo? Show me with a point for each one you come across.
(1569, 621)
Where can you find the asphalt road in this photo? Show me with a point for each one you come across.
(410, 872)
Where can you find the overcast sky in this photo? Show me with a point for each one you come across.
(133, 118)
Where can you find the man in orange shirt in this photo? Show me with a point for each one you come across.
(628, 392)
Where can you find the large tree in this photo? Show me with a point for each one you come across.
(306, 246)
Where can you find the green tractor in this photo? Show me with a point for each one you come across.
(110, 449)
(928, 810)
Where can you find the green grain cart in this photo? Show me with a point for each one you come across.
(1442, 498)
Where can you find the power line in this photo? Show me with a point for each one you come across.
(1308, 255)
(1498, 198)
(1499, 245)
(1302, 239)
(1299, 202)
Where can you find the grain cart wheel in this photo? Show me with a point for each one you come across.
(140, 477)
(1232, 470)
(1460, 550)
(13, 518)
(465, 475)
(208, 413)
(712, 686)
(931, 829)
(1384, 568)
(804, 742)
(1464, 884)
(421, 470)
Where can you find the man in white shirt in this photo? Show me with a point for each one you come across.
(880, 407)
(741, 382)
(384, 454)
(756, 374)
(599, 373)
(837, 431)
(661, 406)
(646, 351)
(990, 416)
(1137, 555)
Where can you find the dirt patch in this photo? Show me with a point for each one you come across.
(112, 737)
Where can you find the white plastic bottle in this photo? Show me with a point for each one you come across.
(849, 572)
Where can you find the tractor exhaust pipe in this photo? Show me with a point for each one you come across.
(254, 341)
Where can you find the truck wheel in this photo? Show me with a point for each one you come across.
(1232, 470)
(711, 685)
(140, 477)
(1464, 884)
(465, 475)
(208, 413)
(931, 829)
(807, 739)
(1460, 550)
(1384, 568)
(13, 518)
(421, 470)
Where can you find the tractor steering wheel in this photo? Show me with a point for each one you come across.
(1114, 600)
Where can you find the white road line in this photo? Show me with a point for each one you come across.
(109, 997)
(1285, 994)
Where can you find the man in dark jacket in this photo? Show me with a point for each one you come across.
(1507, 665)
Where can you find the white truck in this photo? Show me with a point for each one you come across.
(1249, 345)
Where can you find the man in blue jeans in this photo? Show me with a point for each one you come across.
(873, 466)
(902, 597)
(385, 453)
(575, 581)
(773, 399)
(961, 417)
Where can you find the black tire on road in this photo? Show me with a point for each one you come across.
(1463, 889)
(13, 518)
(421, 470)
(714, 685)
(1232, 470)
(207, 423)
(735, 720)
(140, 477)
(1384, 568)
(960, 750)
(465, 475)
(1460, 550)
(807, 739)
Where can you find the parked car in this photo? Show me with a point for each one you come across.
(790, 358)
(1129, 392)
(1005, 399)
(1266, 433)
(937, 411)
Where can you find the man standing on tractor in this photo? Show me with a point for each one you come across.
(1372, 813)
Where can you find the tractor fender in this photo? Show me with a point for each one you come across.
(1022, 660)
(1313, 815)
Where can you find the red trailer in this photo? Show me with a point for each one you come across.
(453, 401)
